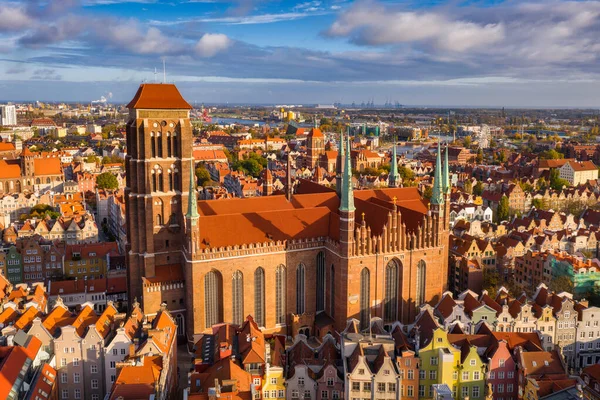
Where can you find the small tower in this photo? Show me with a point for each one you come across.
(27, 167)
(192, 215)
(289, 177)
(437, 197)
(347, 206)
(394, 177)
(315, 147)
(446, 177)
(339, 170)
(267, 188)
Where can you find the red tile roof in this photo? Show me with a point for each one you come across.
(159, 96)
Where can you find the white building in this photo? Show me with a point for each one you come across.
(8, 115)
(578, 173)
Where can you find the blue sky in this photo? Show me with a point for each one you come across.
(514, 53)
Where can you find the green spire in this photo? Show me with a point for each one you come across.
(446, 172)
(394, 175)
(192, 201)
(437, 196)
(347, 201)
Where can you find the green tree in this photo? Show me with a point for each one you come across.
(467, 141)
(202, 175)
(478, 188)
(538, 204)
(551, 155)
(491, 279)
(91, 159)
(556, 182)
(106, 180)
(406, 173)
(428, 192)
(42, 211)
(561, 284)
(468, 186)
(252, 167)
(479, 156)
(503, 210)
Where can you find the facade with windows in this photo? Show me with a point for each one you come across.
(283, 259)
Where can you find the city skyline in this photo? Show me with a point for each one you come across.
(470, 53)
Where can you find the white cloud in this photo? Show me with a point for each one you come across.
(129, 35)
(373, 24)
(13, 19)
(211, 44)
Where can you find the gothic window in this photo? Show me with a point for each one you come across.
(259, 296)
(152, 144)
(160, 145)
(159, 219)
(175, 148)
(280, 294)
(365, 297)
(169, 146)
(180, 324)
(47, 180)
(212, 299)
(176, 179)
(300, 274)
(37, 181)
(170, 180)
(320, 281)
(421, 274)
(391, 292)
(332, 292)
(237, 290)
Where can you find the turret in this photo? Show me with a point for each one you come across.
(347, 205)
(192, 215)
(340, 165)
(446, 177)
(267, 188)
(394, 177)
(437, 197)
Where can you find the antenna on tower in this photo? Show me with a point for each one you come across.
(155, 81)
(164, 70)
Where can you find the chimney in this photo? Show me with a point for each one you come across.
(132, 350)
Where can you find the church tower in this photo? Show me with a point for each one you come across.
(394, 177)
(158, 130)
(315, 147)
(347, 206)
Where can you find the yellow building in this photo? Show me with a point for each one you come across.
(439, 364)
(274, 383)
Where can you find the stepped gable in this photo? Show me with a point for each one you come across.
(158, 96)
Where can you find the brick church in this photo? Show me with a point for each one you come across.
(299, 262)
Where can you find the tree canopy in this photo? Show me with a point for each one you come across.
(106, 180)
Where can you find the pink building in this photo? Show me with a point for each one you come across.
(502, 373)
(330, 385)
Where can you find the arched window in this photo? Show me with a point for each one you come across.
(175, 148)
(300, 272)
(259, 296)
(365, 297)
(169, 146)
(159, 219)
(237, 290)
(332, 292)
(421, 275)
(280, 294)
(37, 181)
(157, 179)
(160, 145)
(176, 179)
(320, 281)
(170, 173)
(180, 324)
(390, 311)
(152, 144)
(47, 180)
(212, 299)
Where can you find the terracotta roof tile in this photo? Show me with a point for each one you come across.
(158, 96)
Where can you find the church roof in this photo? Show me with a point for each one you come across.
(158, 95)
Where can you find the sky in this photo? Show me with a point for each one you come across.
(512, 53)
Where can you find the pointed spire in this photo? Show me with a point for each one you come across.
(192, 200)
(446, 177)
(347, 201)
(340, 166)
(394, 175)
(437, 196)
